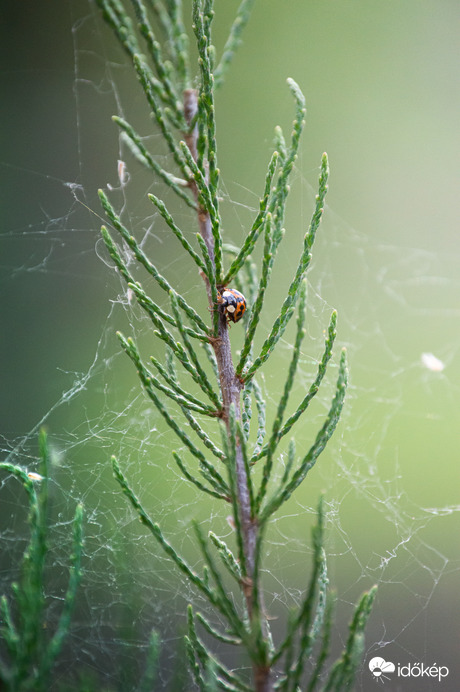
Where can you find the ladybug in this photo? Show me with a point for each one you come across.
(232, 303)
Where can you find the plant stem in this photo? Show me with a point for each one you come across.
(231, 387)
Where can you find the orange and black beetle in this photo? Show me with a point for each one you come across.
(232, 303)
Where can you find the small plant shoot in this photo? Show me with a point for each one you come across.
(32, 645)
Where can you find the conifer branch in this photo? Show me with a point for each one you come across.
(177, 232)
(227, 557)
(137, 148)
(157, 58)
(257, 226)
(142, 258)
(189, 129)
(186, 473)
(322, 438)
(226, 639)
(287, 309)
(31, 643)
(158, 535)
(312, 391)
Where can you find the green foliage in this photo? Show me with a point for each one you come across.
(32, 648)
(199, 379)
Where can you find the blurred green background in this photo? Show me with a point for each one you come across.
(381, 82)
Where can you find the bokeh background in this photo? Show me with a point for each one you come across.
(381, 82)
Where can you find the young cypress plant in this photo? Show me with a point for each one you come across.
(157, 44)
(31, 647)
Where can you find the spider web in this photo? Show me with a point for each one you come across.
(387, 475)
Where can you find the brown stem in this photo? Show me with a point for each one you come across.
(231, 388)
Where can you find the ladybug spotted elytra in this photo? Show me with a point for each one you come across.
(232, 303)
